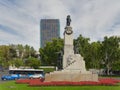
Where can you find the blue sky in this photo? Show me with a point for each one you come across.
(20, 19)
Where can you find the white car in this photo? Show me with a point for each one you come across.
(36, 76)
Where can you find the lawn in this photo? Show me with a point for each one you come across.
(10, 85)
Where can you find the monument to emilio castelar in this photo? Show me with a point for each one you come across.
(73, 64)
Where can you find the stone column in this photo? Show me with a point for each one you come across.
(68, 45)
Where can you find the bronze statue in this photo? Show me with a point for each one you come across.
(68, 19)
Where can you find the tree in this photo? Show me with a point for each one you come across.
(33, 52)
(20, 51)
(1, 61)
(110, 51)
(4, 55)
(15, 54)
(33, 62)
(49, 54)
(95, 55)
(29, 52)
(18, 63)
(81, 45)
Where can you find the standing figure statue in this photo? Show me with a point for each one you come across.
(68, 19)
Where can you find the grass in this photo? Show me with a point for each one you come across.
(10, 85)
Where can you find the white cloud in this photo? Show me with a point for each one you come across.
(91, 18)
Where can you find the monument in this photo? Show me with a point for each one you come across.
(73, 64)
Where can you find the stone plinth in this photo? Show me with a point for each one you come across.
(70, 76)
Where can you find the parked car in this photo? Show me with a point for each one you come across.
(40, 76)
(10, 77)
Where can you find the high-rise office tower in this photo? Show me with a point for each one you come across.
(49, 29)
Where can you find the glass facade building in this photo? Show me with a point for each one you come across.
(49, 29)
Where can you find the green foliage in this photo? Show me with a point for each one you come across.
(95, 55)
(12, 51)
(49, 54)
(20, 50)
(98, 53)
(111, 52)
(18, 63)
(32, 62)
(27, 51)
(116, 64)
(4, 55)
(82, 45)
(15, 54)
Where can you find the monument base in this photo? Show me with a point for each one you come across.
(70, 76)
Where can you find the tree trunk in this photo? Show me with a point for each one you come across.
(108, 69)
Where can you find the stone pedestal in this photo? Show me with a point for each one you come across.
(73, 64)
(71, 76)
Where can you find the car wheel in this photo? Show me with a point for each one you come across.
(15, 79)
(31, 77)
(4, 79)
